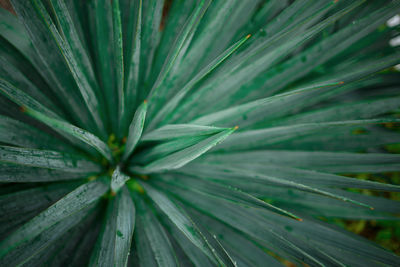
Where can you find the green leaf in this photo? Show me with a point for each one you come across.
(308, 177)
(181, 220)
(22, 99)
(34, 14)
(13, 207)
(69, 129)
(172, 131)
(150, 37)
(61, 251)
(331, 162)
(196, 256)
(75, 201)
(166, 148)
(14, 32)
(350, 139)
(48, 159)
(119, 59)
(203, 48)
(101, 36)
(15, 173)
(114, 242)
(225, 174)
(319, 52)
(86, 243)
(255, 61)
(15, 76)
(339, 240)
(181, 41)
(118, 179)
(69, 32)
(214, 242)
(240, 244)
(125, 228)
(269, 10)
(254, 109)
(171, 25)
(356, 110)
(164, 115)
(20, 134)
(238, 217)
(135, 130)
(310, 204)
(156, 244)
(26, 252)
(180, 158)
(132, 57)
(19, 42)
(227, 192)
(261, 138)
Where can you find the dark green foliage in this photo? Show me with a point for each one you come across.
(196, 132)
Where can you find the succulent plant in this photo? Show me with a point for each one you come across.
(196, 132)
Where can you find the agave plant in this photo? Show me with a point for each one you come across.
(196, 132)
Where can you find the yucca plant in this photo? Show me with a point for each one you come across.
(196, 132)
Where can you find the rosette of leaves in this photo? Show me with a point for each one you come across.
(119, 137)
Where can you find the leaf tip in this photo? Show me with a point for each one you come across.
(248, 36)
(23, 109)
(92, 178)
(236, 127)
(144, 177)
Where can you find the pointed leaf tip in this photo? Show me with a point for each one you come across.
(22, 109)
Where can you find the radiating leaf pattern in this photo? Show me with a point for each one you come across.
(196, 132)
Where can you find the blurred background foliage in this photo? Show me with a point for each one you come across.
(385, 233)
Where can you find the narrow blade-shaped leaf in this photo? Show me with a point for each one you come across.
(182, 38)
(180, 158)
(135, 130)
(251, 139)
(48, 159)
(180, 219)
(231, 115)
(69, 129)
(22, 99)
(156, 240)
(24, 253)
(16, 173)
(165, 148)
(114, 242)
(172, 131)
(36, 10)
(227, 173)
(119, 59)
(331, 162)
(75, 201)
(21, 134)
(227, 192)
(166, 110)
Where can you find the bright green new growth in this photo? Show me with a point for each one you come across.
(196, 132)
